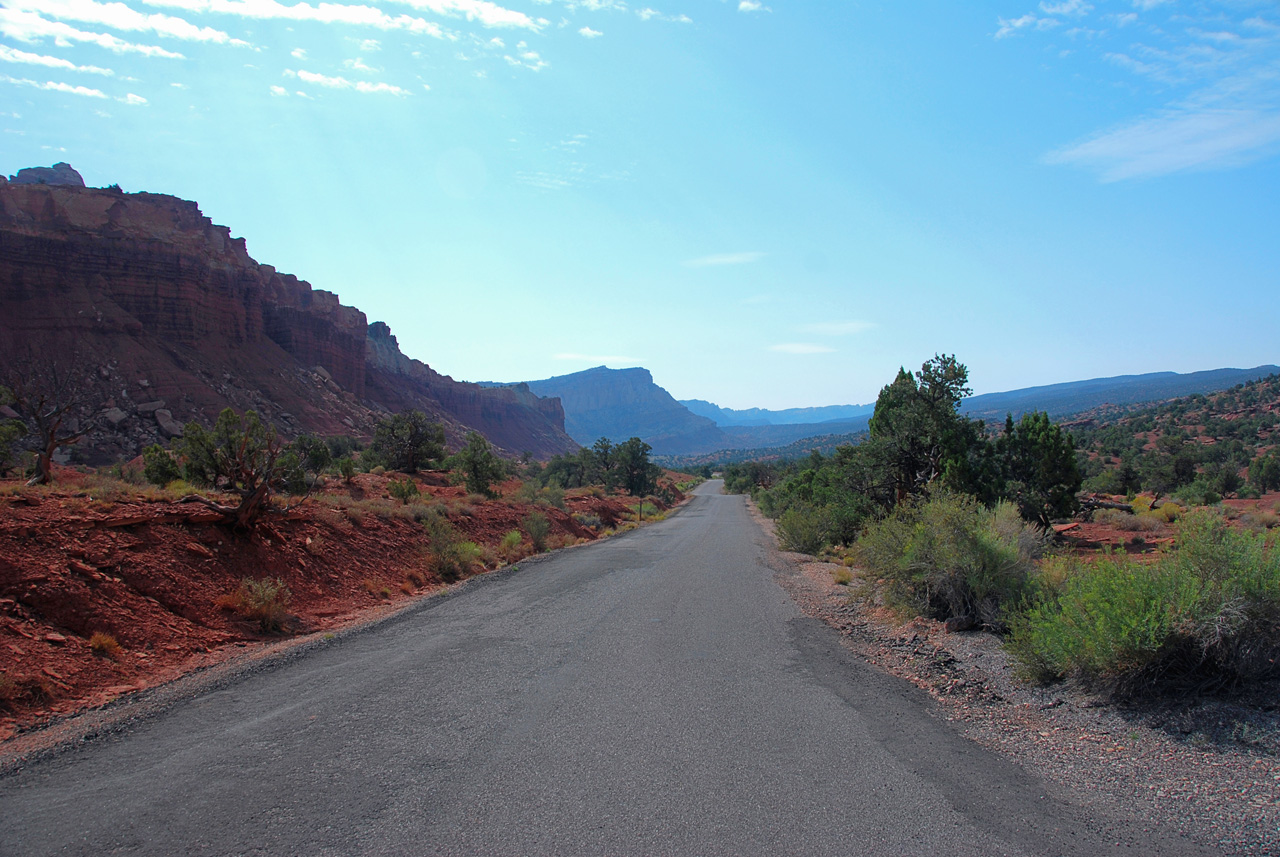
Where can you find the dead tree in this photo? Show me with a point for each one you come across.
(47, 395)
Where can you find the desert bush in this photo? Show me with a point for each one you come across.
(587, 520)
(1204, 616)
(803, 528)
(538, 528)
(509, 547)
(264, 601)
(842, 576)
(105, 645)
(553, 496)
(159, 466)
(1259, 521)
(451, 556)
(346, 468)
(951, 557)
(1143, 522)
(403, 490)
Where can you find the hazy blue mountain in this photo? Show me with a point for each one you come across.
(623, 403)
(761, 417)
(1072, 397)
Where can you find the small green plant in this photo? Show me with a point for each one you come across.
(1203, 616)
(403, 490)
(159, 466)
(451, 556)
(842, 576)
(264, 601)
(803, 529)
(510, 545)
(950, 557)
(105, 645)
(346, 469)
(538, 528)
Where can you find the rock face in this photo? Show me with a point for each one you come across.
(60, 173)
(623, 403)
(170, 319)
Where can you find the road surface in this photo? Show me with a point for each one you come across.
(657, 693)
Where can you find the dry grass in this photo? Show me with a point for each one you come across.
(842, 576)
(105, 645)
(1143, 522)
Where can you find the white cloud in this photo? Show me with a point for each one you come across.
(1176, 141)
(724, 259)
(370, 45)
(839, 328)
(8, 54)
(298, 53)
(1066, 7)
(359, 64)
(589, 33)
(53, 86)
(324, 13)
(131, 98)
(118, 16)
(801, 348)
(342, 83)
(480, 11)
(29, 27)
(279, 90)
(752, 6)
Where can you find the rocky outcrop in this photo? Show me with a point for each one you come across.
(169, 319)
(60, 173)
(623, 403)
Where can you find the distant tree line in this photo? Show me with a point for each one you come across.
(918, 445)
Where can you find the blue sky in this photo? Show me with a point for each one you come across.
(769, 204)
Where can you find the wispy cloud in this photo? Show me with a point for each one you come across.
(342, 83)
(724, 259)
(29, 28)
(587, 32)
(54, 86)
(8, 54)
(752, 6)
(1174, 141)
(118, 16)
(1216, 65)
(838, 328)
(802, 348)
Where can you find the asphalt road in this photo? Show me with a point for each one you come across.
(657, 693)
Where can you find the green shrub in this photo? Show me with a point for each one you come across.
(451, 556)
(587, 520)
(509, 546)
(803, 529)
(265, 601)
(1204, 616)
(403, 490)
(346, 468)
(538, 528)
(951, 557)
(159, 466)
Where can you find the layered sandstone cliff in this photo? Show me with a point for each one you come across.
(154, 303)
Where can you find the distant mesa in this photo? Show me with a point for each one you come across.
(60, 173)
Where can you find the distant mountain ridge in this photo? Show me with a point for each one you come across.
(618, 404)
(790, 416)
(623, 403)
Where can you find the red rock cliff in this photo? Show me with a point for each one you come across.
(167, 306)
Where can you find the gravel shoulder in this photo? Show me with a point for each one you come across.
(1209, 769)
